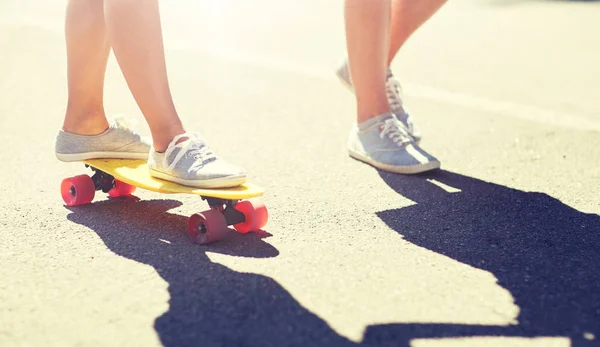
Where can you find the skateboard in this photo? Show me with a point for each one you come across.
(238, 206)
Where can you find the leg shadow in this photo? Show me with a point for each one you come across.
(545, 253)
(210, 304)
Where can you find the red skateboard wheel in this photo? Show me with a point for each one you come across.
(78, 190)
(256, 215)
(206, 227)
(121, 189)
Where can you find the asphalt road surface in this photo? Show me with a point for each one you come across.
(499, 248)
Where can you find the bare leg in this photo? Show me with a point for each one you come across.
(407, 17)
(135, 33)
(87, 55)
(380, 138)
(367, 40)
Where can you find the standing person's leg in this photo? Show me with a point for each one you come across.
(406, 17)
(367, 41)
(378, 137)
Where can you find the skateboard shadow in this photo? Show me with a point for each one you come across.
(545, 253)
(210, 304)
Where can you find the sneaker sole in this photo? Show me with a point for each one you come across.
(406, 170)
(216, 183)
(100, 155)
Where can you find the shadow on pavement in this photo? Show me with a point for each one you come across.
(210, 304)
(545, 253)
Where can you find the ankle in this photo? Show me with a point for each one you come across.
(372, 103)
(161, 139)
(85, 122)
(369, 113)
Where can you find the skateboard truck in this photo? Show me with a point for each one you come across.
(226, 207)
(102, 180)
(212, 225)
(107, 183)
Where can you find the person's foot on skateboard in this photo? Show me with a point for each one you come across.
(384, 143)
(119, 141)
(394, 96)
(189, 161)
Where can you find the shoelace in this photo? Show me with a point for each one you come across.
(396, 131)
(194, 147)
(394, 93)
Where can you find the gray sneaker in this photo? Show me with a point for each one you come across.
(394, 96)
(191, 163)
(384, 143)
(117, 142)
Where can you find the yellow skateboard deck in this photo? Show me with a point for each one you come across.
(120, 177)
(135, 173)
